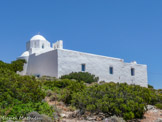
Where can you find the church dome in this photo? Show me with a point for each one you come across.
(25, 54)
(37, 37)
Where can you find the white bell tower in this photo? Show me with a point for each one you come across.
(37, 44)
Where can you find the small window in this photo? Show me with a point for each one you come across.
(132, 71)
(43, 46)
(111, 70)
(83, 66)
(37, 75)
(35, 44)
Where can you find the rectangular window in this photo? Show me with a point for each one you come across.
(83, 66)
(37, 75)
(132, 71)
(111, 70)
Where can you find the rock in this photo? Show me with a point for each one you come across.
(91, 118)
(36, 117)
(150, 107)
(56, 116)
(63, 115)
(87, 113)
(98, 119)
(53, 97)
(60, 104)
(9, 121)
(49, 93)
(57, 110)
(158, 120)
(114, 119)
(101, 115)
(43, 100)
(74, 114)
(155, 110)
(76, 111)
(46, 118)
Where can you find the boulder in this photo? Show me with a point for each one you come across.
(64, 115)
(114, 119)
(158, 120)
(36, 117)
(93, 118)
(9, 121)
(49, 93)
(150, 107)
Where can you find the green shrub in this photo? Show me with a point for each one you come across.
(64, 88)
(150, 86)
(159, 105)
(17, 65)
(21, 109)
(14, 66)
(81, 76)
(127, 101)
(23, 88)
(20, 94)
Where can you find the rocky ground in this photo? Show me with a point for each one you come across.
(152, 115)
(65, 114)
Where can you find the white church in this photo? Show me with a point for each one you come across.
(46, 60)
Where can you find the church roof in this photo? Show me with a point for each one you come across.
(26, 53)
(37, 37)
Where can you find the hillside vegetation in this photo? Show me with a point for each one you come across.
(20, 95)
(127, 101)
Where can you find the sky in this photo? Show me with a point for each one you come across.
(127, 29)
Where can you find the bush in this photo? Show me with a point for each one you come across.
(159, 105)
(17, 65)
(81, 76)
(127, 101)
(150, 86)
(20, 94)
(21, 109)
(64, 88)
(23, 88)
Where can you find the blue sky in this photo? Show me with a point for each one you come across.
(127, 29)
